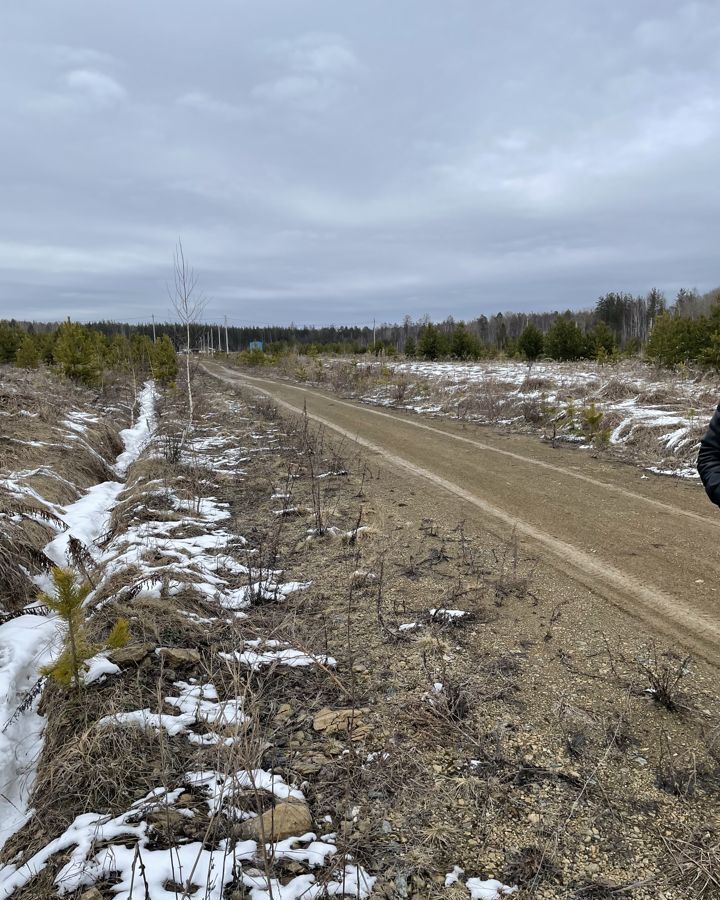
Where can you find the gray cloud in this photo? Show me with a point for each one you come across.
(338, 162)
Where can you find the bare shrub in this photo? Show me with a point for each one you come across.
(665, 673)
(487, 401)
(510, 581)
(171, 444)
(400, 389)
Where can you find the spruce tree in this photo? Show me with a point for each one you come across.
(531, 343)
(462, 344)
(565, 341)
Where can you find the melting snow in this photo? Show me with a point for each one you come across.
(267, 652)
(27, 643)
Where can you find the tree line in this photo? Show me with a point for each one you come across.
(685, 329)
(86, 354)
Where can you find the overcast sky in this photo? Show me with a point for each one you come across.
(338, 160)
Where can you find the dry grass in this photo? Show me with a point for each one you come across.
(39, 453)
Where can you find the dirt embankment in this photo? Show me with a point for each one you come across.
(56, 440)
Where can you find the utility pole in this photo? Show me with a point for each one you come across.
(219, 340)
(153, 321)
(373, 335)
(227, 346)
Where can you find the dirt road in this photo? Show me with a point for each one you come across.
(651, 546)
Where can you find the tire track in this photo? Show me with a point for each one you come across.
(667, 613)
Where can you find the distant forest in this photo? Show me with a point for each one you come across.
(685, 328)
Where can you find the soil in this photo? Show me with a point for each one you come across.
(648, 545)
(544, 760)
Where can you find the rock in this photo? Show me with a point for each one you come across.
(291, 818)
(361, 577)
(167, 819)
(92, 894)
(311, 763)
(133, 654)
(334, 721)
(401, 885)
(178, 656)
(284, 712)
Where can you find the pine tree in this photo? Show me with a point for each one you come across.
(76, 352)
(10, 336)
(603, 341)
(163, 361)
(68, 602)
(27, 355)
(410, 346)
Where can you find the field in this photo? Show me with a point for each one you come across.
(341, 678)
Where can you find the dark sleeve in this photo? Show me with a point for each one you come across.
(708, 463)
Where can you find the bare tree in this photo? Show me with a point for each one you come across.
(188, 303)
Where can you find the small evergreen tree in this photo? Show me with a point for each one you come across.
(462, 344)
(591, 419)
(678, 339)
(76, 353)
(410, 347)
(163, 361)
(432, 344)
(602, 341)
(10, 336)
(711, 354)
(565, 341)
(27, 355)
(531, 342)
(67, 601)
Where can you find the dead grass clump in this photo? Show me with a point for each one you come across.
(488, 401)
(84, 768)
(537, 383)
(657, 395)
(617, 389)
(665, 673)
(695, 859)
(157, 620)
(533, 411)
(529, 866)
(24, 531)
